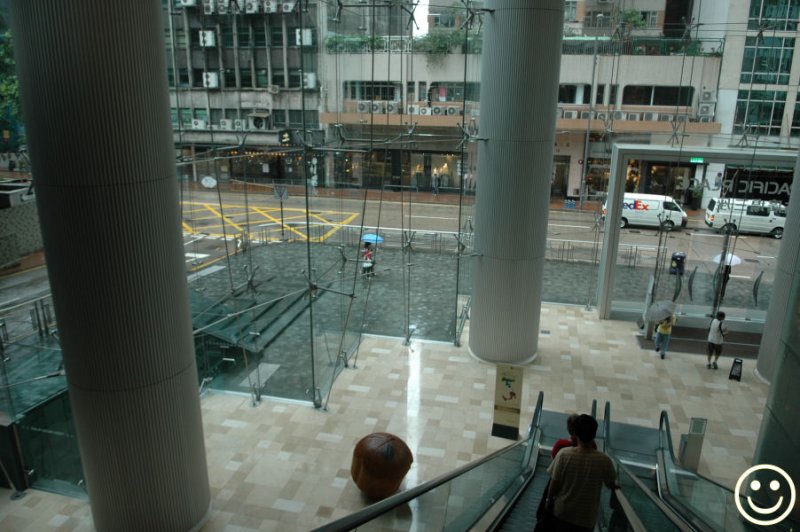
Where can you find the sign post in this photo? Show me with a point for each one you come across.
(507, 401)
(281, 193)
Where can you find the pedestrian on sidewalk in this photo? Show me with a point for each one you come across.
(663, 334)
(716, 336)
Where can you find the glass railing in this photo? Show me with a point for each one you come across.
(708, 504)
(458, 500)
(646, 510)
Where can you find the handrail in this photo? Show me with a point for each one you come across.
(665, 495)
(673, 516)
(379, 508)
(594, 408)
(663, 422)
(607, 426)
(630, 514)
(24, 303)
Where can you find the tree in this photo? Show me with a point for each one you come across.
(10, 112)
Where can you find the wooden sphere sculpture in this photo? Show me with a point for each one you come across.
(380, 462)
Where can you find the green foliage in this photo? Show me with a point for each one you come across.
(10, 115)
(631, 18)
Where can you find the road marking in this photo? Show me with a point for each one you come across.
(434, 217)
(223, 218)
(706, 234)
(740, 276)
(575, 226)
(193, 241)
(764, 257)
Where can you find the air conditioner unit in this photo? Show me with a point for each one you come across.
(211, 80)
(438, 110)
(207, 38)
(225, 124)
(425, 111)
(304, 37)
(198, 124)
(634, 116)
(586, 115)
(412, 109)
(271, 6)
(185, 3)
(251, 6)
(239, 124)
(571, 115)
(601, 115)
(258, 123)
(706, 109)
(223, 6)
(392, 108)
(273, 89)
(708, 96)
(454, 111)
(288, 7)
(309, 80)
(619, 115)
(706, 119)
(665, 117)
(209, 6)
(377, 108)
(364, 106)
(650, 116)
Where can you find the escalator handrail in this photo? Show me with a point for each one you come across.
(594, 408)
(607, 427)
(676, 519)
(675, 503)
(664, 428)
(379, 508)
(630, 514)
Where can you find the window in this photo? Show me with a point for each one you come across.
(262, 80)
(795, 131)
(670, 206)
(767, 60)
(277, 77)
(598, 19)
(180, 38)
(570, 10)
(279, 118)
(230, 77)
(186, 117)
(227, 36)
(757, 210)
(653, 95)
(295, 118)
(371, 90)
(216, 115)
(246, 77)
(650, 19)
(173, 115)
(759, 112)
(455, 91)
(276, 36)
(780, 15)
(197, 78)
(259, 37)
(244, 37)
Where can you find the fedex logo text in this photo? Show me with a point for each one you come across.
(637, 205)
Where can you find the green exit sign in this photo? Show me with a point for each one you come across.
(697, 160)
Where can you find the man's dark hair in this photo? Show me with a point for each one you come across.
(585, 428)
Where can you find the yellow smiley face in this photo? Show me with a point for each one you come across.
(779, 481)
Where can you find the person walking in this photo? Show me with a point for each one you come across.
(663, 334)
(367, 260)
(716, 336)
(577, 476)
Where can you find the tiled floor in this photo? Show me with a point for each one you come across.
(286, 466)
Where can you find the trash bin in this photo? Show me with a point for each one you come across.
(678, 263)
(692, 443)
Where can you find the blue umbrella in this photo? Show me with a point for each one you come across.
(372, 238)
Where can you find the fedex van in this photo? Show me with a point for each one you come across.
(746, 216)
(651, 210)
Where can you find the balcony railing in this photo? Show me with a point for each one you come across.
(443, 43)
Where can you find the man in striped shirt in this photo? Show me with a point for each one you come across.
(577, 476)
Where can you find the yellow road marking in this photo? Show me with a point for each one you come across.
(187, 227)
(338, 226)
(224, 218)
(272, 218)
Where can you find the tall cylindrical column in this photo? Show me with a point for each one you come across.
(95, 100)
(782, 297)
(779, 355)
(519, 94)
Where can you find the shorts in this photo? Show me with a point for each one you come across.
(714, 349)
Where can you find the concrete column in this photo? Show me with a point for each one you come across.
(784, 300)
(94, 95)
(519, 93)
(779, 356)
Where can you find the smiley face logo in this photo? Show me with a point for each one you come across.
(757, 514)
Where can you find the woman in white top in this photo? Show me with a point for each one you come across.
(716, 335)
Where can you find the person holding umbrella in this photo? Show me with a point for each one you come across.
(663, 334)
(367, 260)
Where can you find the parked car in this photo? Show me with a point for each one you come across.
(746, 216)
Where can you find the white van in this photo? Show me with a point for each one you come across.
(746, 216)
(651, 210)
